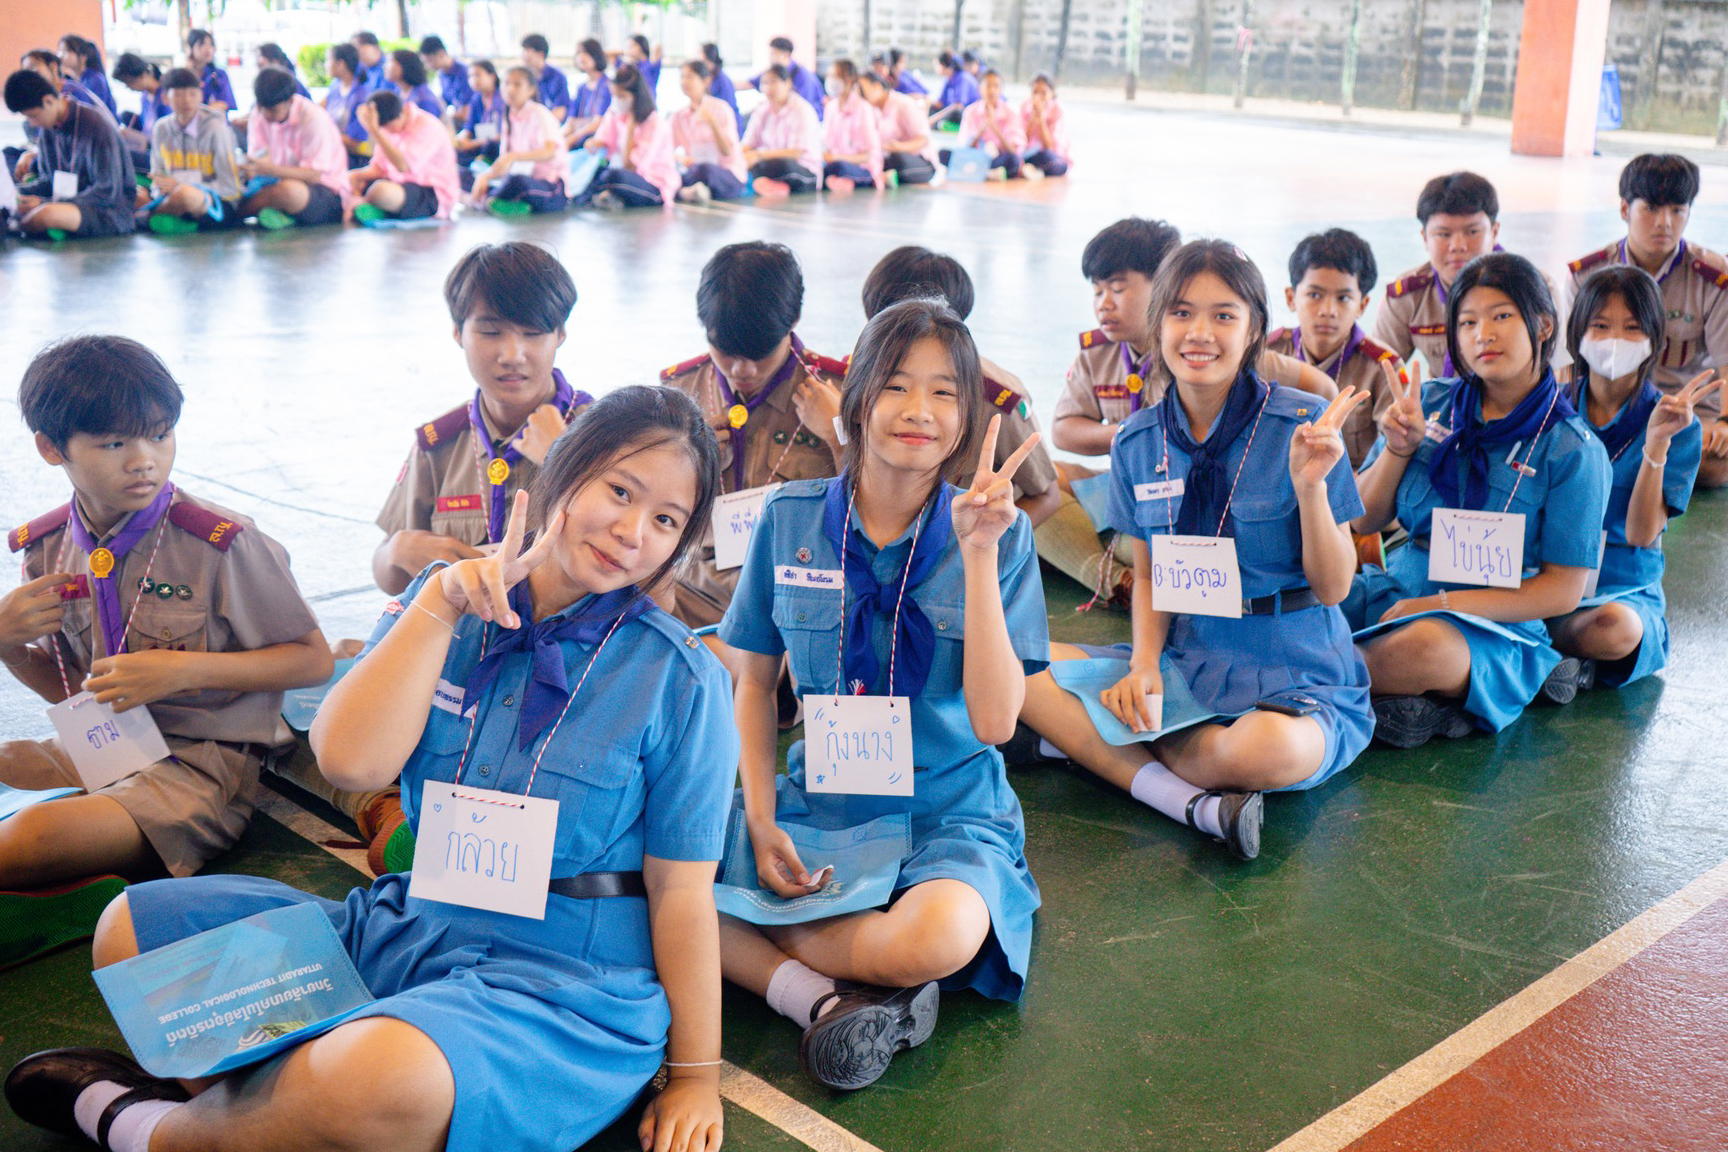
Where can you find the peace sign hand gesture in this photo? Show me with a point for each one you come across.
(1674, 412)
(987, 509)
(1317, 447)
(1404, 424)
(481, 586)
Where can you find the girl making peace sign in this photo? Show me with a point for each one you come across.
(1226, 455)
(541, 673)
(887, 581)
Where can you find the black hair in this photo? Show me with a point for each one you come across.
(487, 67)
(45, 58)
(1340, 250)
(413, 68)
(348, 55)
(1231, 265)
(1659, 179)
(87, 49)
(641, 42)
(273, 53)
(711, 53)
(1044, 79)
(781, 44)
(130, 66)
(985, 74)
(534, 42)
(387, 104)
(525, 72)
(911, 272)
(1643, 298)
(98, 385)
(1457, 194)
(595, 52)
(882, 348)
(1134, 244)
(895, 57)
(198, 36)
(750, 296)
(520, 282)
(432, 45)
(848, 73)
(621, 424)
(970, 56)
(875, 78)
(1523, 285)
(25, 90)
(947, 59)
(779, 72)
(272, 86)
(700, 67)
(370, 39)
(630, 78)
(180, 78)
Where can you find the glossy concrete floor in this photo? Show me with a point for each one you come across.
(1177, 1000)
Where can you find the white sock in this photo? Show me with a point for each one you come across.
(132, 1128)
(94, 1101)
(1047, 749)
(1157, 787)
(794, 989)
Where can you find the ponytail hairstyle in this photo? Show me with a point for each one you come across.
(882, 348)
(198, 36)
(130, 67)
(1524, 286)
(86, 49)
(413, 68)
(711, 53)
(1239, 274)
(630, 80)
(1643, 298)
(273, 54)
(491, 70)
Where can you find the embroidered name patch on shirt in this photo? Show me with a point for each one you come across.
(1159, 490)
(458, 504)
(807, 577)
(448, 696)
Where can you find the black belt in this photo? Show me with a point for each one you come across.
(598, 885)
(1294, 600)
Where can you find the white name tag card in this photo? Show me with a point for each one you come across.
(1159, 490)
(1481, 548)
(809, 577)
(64, 185)
(188, 176)
(522, 168)
(485, 131)
(858, 745)
(734, 520)
(1197, 575)
(106, 745)
(484, 849)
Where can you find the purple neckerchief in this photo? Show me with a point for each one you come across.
(1134, 369)
(106, 589)
(565, 398)
(1350, 345)
(740, 434)
(1673, 261)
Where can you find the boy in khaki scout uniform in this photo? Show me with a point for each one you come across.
(1332, 275)
(770, 400)
(146, 597)
(1656, 195)
(510, 303)
(1116, 373)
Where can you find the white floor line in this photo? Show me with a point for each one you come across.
(296, 819)
(802, 1123)
(1355, 1118)
(749, 1092)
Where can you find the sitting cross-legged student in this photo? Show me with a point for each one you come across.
(453, 87)
(642, 171)
(145, 79)
(412, 175)
(1281, 694)
(1452, 627)
(528, 175)
(991, 123)
(959, 89)
(851, 134)
(907, 153)
(193, 177)
(783, 144)
(201, 60)
(296, 156)
(347, 94)
(1654, 443)
(483, 126)
(148, 598)
(82, 184)
(592, 97)
(705, 140)
(1046, 129)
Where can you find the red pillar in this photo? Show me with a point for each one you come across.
(1559, 77)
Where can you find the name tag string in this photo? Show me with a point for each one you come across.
(1523, 468)
(858, 689)
(1164, 469)
(95, 608)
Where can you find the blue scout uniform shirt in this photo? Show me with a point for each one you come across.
(98, 85)
(1563, 503)
(1623, 566)
(217, 87)
(961, 89)
(419, 95)
(554, 89)
(453, 84)
(374, 75)
(643, 763)
(344, 107)
(909, 85)
(720, 87)
(591, 100)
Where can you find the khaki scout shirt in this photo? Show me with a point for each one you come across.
(1694, 286)
(1413, 318)
(1007, 395)
(203, 580)
(1361, 369)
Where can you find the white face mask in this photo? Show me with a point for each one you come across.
(835, 88)
(1613, 357)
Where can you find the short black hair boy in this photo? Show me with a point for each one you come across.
(521, 283)
(1457, 194)
(1131, 245)
(1660, 180)
(910, 272)
(1339, 249)
(98, 385)
(750, 297)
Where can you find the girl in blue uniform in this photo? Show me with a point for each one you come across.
(201, 59)
(1225, 454)
(545, 673)
(1447, 657)
(1654, 444)
(888, 581)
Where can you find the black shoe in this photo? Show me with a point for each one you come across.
(1586, 675)
(1240, 814)
(850, 1046)
(1411, 721)
(1562, 683)
(1022, 749)
(43, 1088)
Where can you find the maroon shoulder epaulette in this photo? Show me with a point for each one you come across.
(1001, 395)
(1376, 351)
(1584, 263)
(679, 369)
(1094, 337)
(443, 429)
(1709, 273)
(1404, 285)
(1277, 334)
(827, 364)
(20, 537)
(217, 531)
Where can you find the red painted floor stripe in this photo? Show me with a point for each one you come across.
(1637, 1060)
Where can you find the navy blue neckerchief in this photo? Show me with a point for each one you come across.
(1471, 438)
(548, 690)
(1629, 424)
(914, 638)
(1206, 492)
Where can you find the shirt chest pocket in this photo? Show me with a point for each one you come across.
(1268, 532)
(463, 517)
(948, 661)
(176, 627)
(808, 620)
(600, 792)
